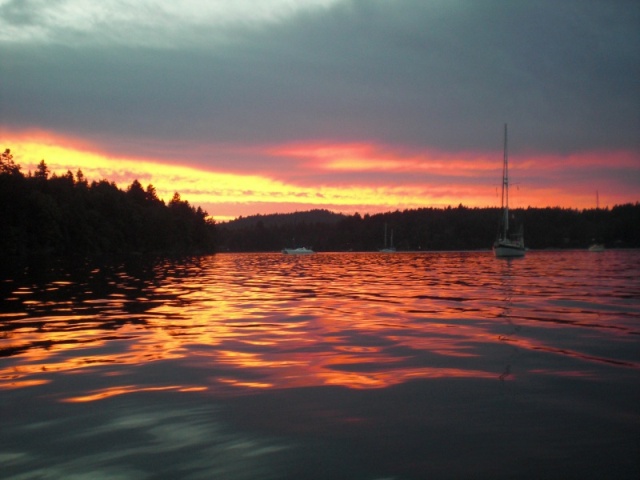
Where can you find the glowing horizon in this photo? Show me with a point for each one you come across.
(341, 177)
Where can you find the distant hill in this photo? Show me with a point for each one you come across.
(285, 219)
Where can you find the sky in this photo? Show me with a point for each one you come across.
(274, 106)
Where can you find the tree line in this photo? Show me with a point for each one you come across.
(43, 213)
(46, 214)
(451, 228)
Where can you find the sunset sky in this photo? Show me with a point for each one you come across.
(264, 106)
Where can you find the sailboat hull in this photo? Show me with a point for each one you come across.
(504, 249)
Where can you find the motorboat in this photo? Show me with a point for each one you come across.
(297, 251)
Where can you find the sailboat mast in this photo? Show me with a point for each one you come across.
(385, 235)
(505, 184)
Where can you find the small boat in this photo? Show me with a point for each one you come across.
(297, 251)
(390, 248)
(596, 247)
(508, 243)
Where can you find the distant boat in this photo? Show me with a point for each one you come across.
(508, 243)
(297, 251)
(390, 248)
(597, 247)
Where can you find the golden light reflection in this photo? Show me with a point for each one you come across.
(240, 383)
(237, 323)
(390, 378)
(115, 391)
(62, 348)
(16, 384)
(276, 355)
(251, 360)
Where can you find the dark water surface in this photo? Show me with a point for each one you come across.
(336, 366)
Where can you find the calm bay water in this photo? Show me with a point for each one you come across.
(354, 366)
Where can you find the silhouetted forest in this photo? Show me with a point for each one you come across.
(458, 228)
(41, 213)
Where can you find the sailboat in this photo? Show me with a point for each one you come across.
(595, 246)
(508, 243)
(390, 248)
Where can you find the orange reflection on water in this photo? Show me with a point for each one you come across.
(115, 391)
(14, 384)
(395, 377)
(251, 360)
(240, 383)
(252, 322)
(263, 322)
(59, 346)
(352, 367)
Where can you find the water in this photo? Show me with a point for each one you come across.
(341, 366)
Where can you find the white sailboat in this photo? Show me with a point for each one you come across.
(508, 244)
(390, 248)
(595, 246)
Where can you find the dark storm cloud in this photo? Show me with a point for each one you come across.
(440, 75)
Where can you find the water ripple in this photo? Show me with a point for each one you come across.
(356, 320)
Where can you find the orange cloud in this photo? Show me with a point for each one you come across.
(582, 160)
(209, 188)
(355, 157)
(343, 177)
